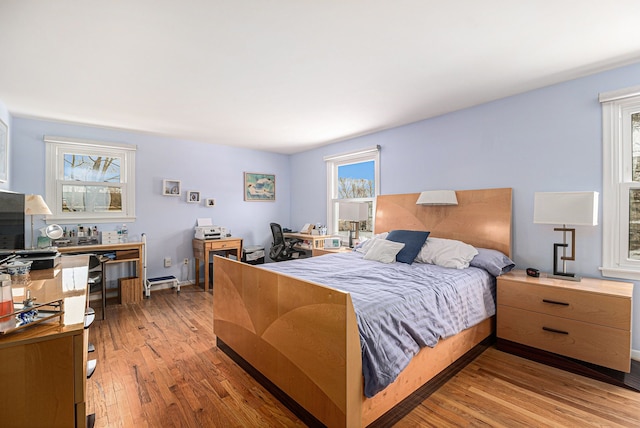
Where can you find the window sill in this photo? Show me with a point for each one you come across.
(633, 274)
(88, 219)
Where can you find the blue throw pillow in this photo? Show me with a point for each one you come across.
(413, 241)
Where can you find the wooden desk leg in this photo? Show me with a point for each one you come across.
(206, 270)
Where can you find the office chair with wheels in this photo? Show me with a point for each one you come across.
(282, 248)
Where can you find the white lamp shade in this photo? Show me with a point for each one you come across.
(353, 211)
(35, 205)
(569, 208)
(437, 197)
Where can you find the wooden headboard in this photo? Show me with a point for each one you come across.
(482, 217)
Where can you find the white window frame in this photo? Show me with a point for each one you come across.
(56, 147)
(617, 107)
(335, 161)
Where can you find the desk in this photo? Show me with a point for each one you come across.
(202, 249)
(125, 252)
(314, 241)
(322, 251)
(43, 367)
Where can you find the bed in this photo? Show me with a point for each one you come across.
(301, 337)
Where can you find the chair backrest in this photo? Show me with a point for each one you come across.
(278, 236)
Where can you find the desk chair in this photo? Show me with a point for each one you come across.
(283, 248)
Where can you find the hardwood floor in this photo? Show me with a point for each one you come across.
(158, 367)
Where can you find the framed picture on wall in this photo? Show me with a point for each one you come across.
(259, 187)
(193, 197)
(210, 202)
(171, 187)
(4, 150)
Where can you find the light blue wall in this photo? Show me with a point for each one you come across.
(6, 118)
(545, 140)
(214, 170)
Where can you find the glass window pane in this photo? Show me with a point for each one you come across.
(93, 168)
(356, 180)
(96, 199)
(363, 226)
(634, 224)
(635, 137)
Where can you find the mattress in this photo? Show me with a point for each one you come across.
(400, 308)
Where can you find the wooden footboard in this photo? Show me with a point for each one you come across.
(303, 337)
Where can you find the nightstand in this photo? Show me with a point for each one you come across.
(323, 251)
(584, 327)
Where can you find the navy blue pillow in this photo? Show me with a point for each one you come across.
(413, 241)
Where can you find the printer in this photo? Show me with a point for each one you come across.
(205, 229)
(209, 232)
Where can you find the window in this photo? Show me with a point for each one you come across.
(621, 183)
(352, 177)
(90, 181)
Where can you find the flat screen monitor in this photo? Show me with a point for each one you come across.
(11, 221)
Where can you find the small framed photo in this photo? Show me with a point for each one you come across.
(259, 187)
(210, 202)
(171, 188)
(193, 197)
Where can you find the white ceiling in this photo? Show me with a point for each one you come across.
(289, 75)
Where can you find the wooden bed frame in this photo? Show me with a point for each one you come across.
(303, 337)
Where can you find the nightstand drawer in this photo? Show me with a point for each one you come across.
(601, 309)
(605, 346)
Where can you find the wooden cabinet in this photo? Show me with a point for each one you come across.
(44, 367)
(587, 321)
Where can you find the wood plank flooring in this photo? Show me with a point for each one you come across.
(158, 367)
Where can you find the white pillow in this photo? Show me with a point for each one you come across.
(446, 253)
(384, 251)
(366, 245)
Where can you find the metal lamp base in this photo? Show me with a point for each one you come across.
(569, 277)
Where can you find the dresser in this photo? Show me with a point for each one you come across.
(583, 326)
(43, 367)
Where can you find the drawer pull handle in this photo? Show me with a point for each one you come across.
(553, 330)
(553, 302)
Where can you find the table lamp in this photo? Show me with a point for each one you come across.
(354, 212)
(565, 208)
(35, 205)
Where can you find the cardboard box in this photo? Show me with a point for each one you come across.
(130, 290)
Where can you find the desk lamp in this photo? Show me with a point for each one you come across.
(35, 205)
(354, 212)
(573, 208)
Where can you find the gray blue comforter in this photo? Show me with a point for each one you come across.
(400, 308)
